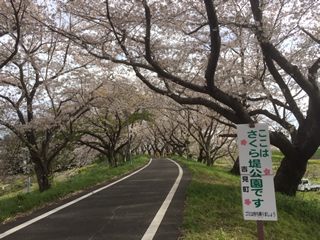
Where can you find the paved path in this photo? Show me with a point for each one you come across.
(147, 204)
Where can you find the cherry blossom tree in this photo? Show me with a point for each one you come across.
(44, 89)
(172, 133)
(247, 61)
(118, 108)
(206, 131)
(165, 135)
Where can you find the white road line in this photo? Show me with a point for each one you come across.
(23, 225)
(151, 231)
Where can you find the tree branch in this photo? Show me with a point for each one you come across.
(215, 46)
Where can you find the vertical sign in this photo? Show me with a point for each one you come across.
(258, 197)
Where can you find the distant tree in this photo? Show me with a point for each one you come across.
(105, 127)
(204, 128)
(174, 135)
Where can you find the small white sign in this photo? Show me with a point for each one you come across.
(257, 187)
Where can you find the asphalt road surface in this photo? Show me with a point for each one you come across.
(146, 204)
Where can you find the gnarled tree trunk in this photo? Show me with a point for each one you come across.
(43, 173)
(289, 175)
(112, 159)
(304, 144)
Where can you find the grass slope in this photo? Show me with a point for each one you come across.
(214, 210)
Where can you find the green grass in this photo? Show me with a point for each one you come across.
(27, 202)
(214, 210)
(277, 156)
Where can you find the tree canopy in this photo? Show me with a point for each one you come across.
(247, 61)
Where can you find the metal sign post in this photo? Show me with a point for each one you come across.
(128, 137)
(28, 169)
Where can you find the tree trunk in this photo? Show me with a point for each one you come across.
(180, 152)
(112, 160)
(236, 168)
(289, 175)
(200, 157)
(43, 175)
(294, 164)
(208, 159)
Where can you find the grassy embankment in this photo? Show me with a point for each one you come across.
(214, 210)
(24, 203)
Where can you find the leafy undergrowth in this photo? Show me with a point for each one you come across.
(24, 203)
(214, 210)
